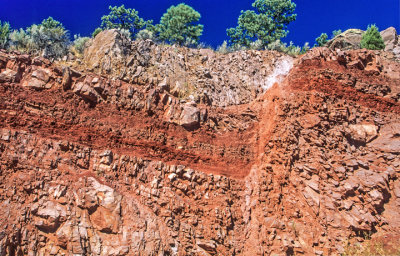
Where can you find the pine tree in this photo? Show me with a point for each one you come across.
(372, 39)
(321, 40)
(123, 19)
(180, 25)
(267, 24)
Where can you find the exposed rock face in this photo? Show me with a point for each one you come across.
(390, 38)
(348, 40)
(351, 40)
(107, 52)
(97, 166)
(392, 41)
(224, 80)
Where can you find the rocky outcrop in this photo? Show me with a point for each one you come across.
(351, 40)
(390, 38)
(201, 74)
(392, 42)
(348, 40)
(94, 165)
(107, 52)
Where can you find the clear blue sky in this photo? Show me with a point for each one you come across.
(314, 16)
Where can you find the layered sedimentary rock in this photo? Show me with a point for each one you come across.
(93, 164)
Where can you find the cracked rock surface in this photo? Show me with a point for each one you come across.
(101, 161)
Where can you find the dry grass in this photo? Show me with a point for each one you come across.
(380, 247)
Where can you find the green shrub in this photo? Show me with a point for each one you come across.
(123, 19)
(321, 40)
(203, 45)
(256, 45)
(96, 32)
(267, 24)
(179, 25)
(277, 45)
(145, 34)
(80, 43)
(49, 39)
(305, 48)
(336, 33)
(372, 39)
(223, 48)
(20, 41)
(290, 49)
(4, 34)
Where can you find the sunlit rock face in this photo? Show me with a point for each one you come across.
(157, 150)
(222, 79)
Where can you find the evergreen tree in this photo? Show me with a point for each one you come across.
(336, 33)
(123, 19)
(4, 34)
(267, 24)
(321, 40)
(180, 25)
(372, 39)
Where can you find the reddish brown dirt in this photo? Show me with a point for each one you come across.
(322, 77)
(62, 116)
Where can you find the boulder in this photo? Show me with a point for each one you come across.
(50, 215)
(106, 157)
(207, 245)
(66, 79)
(105, 220)
(8, 75)
(362, 133)
(390, 38)
(106, 217)
(396, 51)
(388, 139)
(108, 52)
(348, 40)
(190, 116)
(86, 92)
(39, 79)
(396, 189)
(369, 179)
(41, 74)
(310, 120)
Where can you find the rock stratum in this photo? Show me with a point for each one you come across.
(154, 150)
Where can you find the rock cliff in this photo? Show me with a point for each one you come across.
(155, 150)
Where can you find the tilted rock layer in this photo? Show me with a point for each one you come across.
(93, 164)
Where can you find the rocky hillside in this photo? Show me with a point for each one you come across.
(218, 79)
(351, 39)
(142, 149)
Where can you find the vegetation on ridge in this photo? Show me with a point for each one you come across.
(259, 29)
(321, 40)
(372, 39)
(180, 25)
(49, 39)
(4, 34)
(123, 19)
(265, 25)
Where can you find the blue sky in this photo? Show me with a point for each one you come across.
(314, 16)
